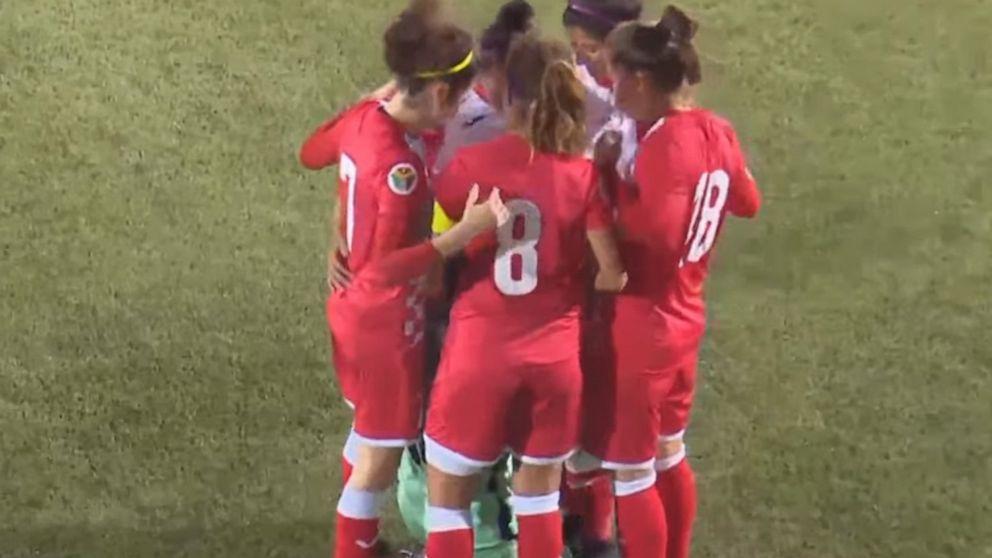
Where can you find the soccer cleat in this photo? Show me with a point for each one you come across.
(572, 526)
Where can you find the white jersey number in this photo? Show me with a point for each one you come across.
(518, 246)
(711, 195)
(349, 174)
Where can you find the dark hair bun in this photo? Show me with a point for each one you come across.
(515, 16)
(680, 25)
(651, 40)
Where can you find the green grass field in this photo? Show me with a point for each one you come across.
(164, 386)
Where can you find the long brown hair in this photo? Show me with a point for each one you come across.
(541, 80)
(421, 46)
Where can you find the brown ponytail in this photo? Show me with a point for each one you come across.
(541, 78)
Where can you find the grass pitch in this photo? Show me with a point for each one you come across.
(164, 379)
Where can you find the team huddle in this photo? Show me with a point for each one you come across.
(518, 252)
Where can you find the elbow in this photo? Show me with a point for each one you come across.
(309, 158)
(748, 209)
(749, 212)
(611, 280)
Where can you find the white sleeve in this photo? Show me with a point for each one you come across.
(628, 148)
(476, 122)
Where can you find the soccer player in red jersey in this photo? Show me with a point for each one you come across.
(377, 321)
(689, 173)
(588, 495)
(510, 376)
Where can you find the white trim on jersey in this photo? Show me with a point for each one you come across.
(383, 443)
(452, 462)
(539, 461)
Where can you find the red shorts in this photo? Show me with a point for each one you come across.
(485, 401)
(381, 374)
(637, 393)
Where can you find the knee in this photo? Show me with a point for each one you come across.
(632, 481)
(533, 479)
(445, 490)
(376, 468)
(630, 475)
(671, 452)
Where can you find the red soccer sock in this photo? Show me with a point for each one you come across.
(598, 520)
(539, 526)
(641, 518)
(355, 538)
(357, 528)
(677, 487)
(590, 496)
(450, 533)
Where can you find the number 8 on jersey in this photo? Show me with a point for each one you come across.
(515, 268)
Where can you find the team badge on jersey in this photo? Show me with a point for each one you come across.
(403, 179)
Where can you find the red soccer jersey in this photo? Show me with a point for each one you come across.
(689, 173)
(383, 194)
(524, 277)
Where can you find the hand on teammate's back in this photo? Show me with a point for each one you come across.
(611, 282)
(384, 91)
(489, 214)
(338, 274)
(607, 151)
(477, 218)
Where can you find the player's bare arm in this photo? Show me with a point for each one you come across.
(338, 275)
(611, 276)
(477, 218)
(402, 265)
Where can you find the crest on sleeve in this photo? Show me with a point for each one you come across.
(402, 179)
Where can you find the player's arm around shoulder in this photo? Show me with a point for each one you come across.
(322, 147)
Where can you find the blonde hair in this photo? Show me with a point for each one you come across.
(542, 78)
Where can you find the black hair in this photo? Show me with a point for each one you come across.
(514, 18)
(665, 50)
(599, 17)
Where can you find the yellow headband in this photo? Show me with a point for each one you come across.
(465, 63)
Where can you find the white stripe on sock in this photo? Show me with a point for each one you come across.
(629, 488)
(361, 504)
(535, 505)
(441, 520)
